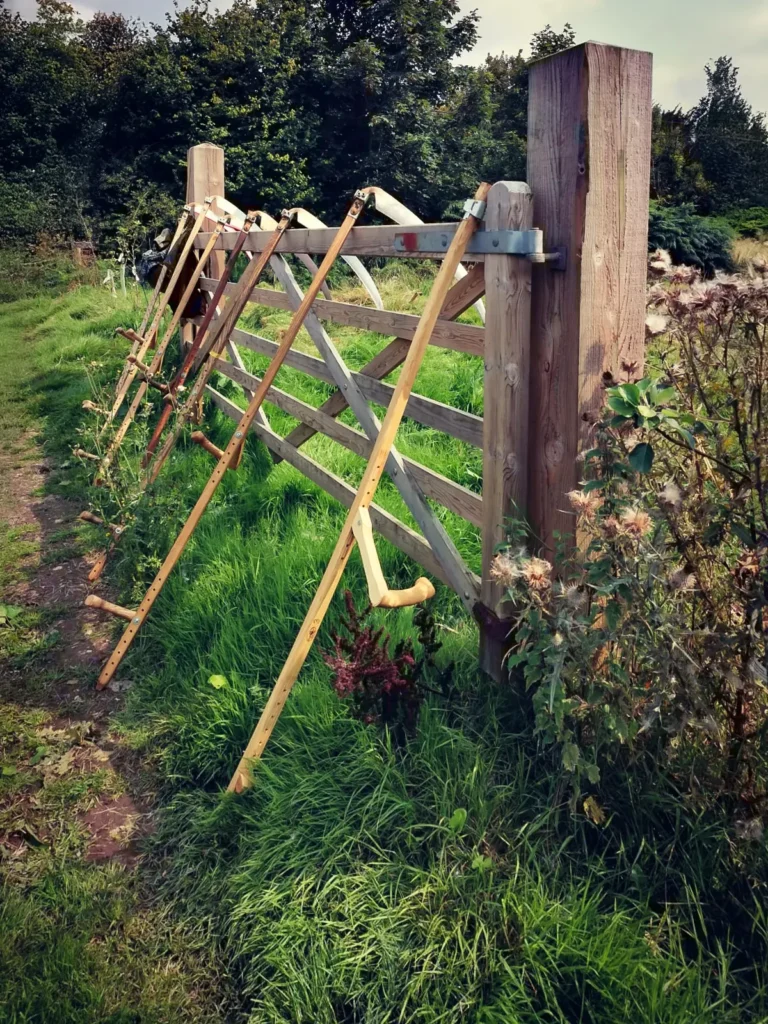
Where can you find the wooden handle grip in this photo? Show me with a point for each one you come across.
(93, 601)
(130, 334)
(421, 591)
(98, 567)
(198, 437)
(89, 517)
(83, 454)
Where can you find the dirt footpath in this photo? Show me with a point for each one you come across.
(49, 659)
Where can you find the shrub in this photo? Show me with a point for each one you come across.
(653, 646)
(749, 223)
(693, 240)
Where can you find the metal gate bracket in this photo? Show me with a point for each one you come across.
(529, 244)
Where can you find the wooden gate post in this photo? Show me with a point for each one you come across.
(205, 177)
(506, 387)
(589, 158)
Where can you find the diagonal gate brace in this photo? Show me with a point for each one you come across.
(462, 579)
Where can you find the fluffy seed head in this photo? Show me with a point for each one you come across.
(636, 522)
(585, 503)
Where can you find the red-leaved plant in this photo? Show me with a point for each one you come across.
(382, 688)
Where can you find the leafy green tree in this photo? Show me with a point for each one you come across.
(379, 78)
(548, 41)
(676, 177)
(46, 122)
(730, 142)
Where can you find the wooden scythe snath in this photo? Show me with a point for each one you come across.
(167, 262)
(232, 452)
(143, 342)
(148, 373)
(357, 524)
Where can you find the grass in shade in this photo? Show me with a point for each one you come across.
(441, 882)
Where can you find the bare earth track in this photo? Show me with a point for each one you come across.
(50, 581)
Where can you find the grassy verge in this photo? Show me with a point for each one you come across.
(79, 941)
(441, 881)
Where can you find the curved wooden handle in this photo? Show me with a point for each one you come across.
(379, 593)
(198, 437)
(83, 454)
(94, 601)
(421, 590)
(89, 517)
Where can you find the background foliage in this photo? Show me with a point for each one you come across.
(311, 98)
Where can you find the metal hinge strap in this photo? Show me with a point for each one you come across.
(529, 244)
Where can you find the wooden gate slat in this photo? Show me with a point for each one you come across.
(461, 296)
(457, 337)
(462, 425)
(448, 493)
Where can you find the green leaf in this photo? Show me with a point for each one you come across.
(743, 533)
(665, 395)
(218, 682)
(623, 408)
(457, 820)
(593, 773)
(481, 863)
(38, 755)
(9, 612)
(630, 392)
(612, 614)
(8, 769)
(646, 411)
(571, 755)
(641, 458)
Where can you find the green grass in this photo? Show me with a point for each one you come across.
(343, 888)
(79, 943)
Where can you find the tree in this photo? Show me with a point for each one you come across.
(729, 141)
(547, 41)
(46, 123)
(676, 177)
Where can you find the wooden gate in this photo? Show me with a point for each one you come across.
(555, 330)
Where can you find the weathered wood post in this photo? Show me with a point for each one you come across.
(506, 386)
(589, 157)
(205, 177)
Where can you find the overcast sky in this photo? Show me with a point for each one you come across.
(682, 34)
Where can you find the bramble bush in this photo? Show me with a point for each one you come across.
(651, 644)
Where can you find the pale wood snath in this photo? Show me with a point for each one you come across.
(376, 465)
